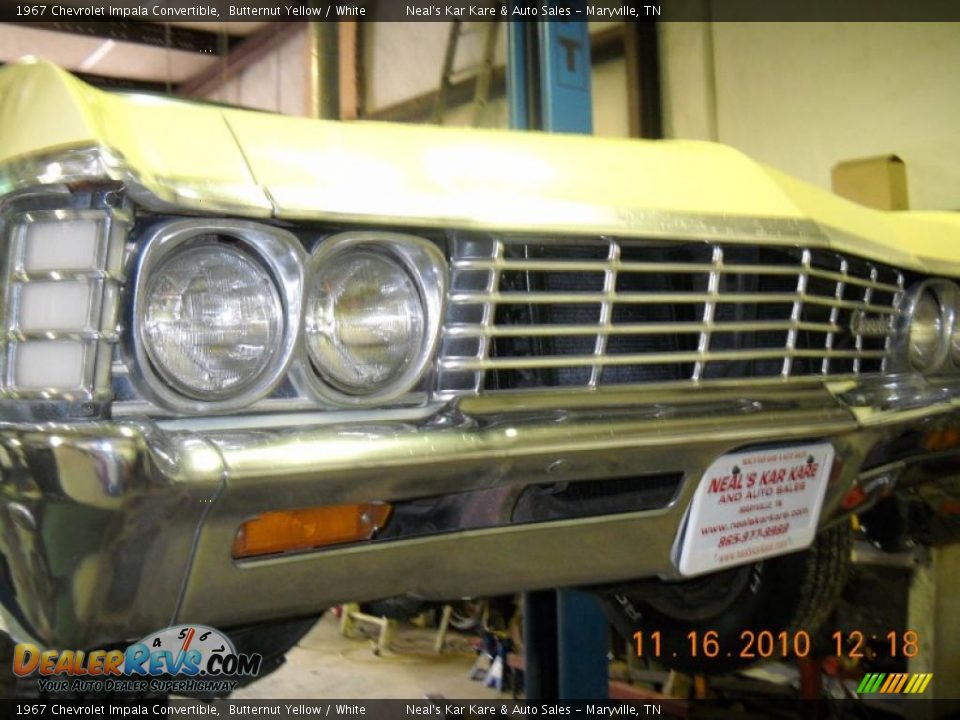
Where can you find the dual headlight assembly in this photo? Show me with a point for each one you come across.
(224, 310)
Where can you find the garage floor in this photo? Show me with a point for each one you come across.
(327, 665)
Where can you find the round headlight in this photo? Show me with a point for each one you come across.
(925, 334)
(365, 321)
(212, 321)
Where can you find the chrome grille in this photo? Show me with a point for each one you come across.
(596, 312)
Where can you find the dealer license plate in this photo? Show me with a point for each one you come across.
(754, 505)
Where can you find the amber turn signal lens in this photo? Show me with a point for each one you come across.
(854, 498)
(942, 439)
(309, 528)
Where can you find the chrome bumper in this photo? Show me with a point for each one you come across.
(112, 530)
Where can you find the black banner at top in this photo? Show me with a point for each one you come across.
(482, 10)
(444, 709)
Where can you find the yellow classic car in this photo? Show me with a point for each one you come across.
(254, 366)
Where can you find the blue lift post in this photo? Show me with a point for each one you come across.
(548, 88)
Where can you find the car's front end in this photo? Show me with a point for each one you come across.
(255, 366)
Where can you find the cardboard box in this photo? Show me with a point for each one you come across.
(878, 182)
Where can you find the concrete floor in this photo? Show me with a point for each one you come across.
(327, 665)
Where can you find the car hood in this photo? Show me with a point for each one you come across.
(205, 158)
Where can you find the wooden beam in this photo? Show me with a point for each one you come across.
(248, 51)
(311, 85)
(327, 59)
(606, 45)
(419, 108)
(348, 48)
(109, 82)
(644, 102)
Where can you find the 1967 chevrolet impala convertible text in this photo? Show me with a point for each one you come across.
(253, 366)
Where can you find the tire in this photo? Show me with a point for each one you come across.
(400, 608)
(790, 593)
(467, 615)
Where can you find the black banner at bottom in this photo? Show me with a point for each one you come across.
(442, 709)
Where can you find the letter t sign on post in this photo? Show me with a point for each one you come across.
(548, 88)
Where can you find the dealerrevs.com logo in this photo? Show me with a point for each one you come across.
(182, 658)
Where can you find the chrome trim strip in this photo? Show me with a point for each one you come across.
(664, 224)
(22, 276)
(162, 194)
(111, 337)
(891, 398)
(273, 414)
(68, 166)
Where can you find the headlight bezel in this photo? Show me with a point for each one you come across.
(426, 266)
(278, 252)
(946, 295)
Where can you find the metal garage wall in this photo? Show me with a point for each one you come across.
(609, 104)
(803, 96)
(277, 82)
(403, 60)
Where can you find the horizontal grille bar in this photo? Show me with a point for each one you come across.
(647, 359)
(642, 267)
(635, 329)
(590, 312)
(656, 298)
